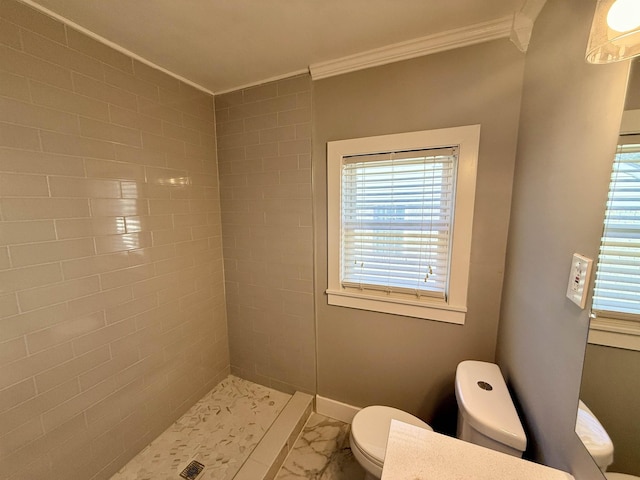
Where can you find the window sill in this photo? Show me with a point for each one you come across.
(615, 333)
(427, 309)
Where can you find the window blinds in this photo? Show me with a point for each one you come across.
(617, 287)
(397, 210)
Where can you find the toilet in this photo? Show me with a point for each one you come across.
(369, 432)
(597, 441)
(486, 417)
(486, 414)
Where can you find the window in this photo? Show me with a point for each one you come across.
(616, 299)
(400, 212)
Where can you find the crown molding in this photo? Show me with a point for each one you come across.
(439, 42)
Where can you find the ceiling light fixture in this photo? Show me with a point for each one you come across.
(615, 31)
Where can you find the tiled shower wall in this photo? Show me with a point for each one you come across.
(264, 155)
(112, 313)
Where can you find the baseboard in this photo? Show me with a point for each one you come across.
(335, 409)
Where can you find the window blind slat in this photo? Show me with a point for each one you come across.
(617, 286)
(397, 210)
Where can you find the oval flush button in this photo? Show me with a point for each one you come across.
(485, 386)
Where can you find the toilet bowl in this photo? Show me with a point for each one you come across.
(597, 442)
(486, 414)
(369, 433)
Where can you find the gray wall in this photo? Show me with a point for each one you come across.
(264, 151)
(611, 389)
(568, 126)
(372, 358)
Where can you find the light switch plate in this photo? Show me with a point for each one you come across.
(579, 276)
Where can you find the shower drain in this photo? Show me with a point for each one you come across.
(192, 470)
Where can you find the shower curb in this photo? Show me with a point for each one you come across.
(270, 453)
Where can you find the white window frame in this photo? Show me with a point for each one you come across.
(452, 309)
(618, 332)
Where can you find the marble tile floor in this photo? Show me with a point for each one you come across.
(321, 452)
(220, 432)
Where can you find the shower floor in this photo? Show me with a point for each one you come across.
(220, 432)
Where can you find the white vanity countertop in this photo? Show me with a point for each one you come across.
(418, 454)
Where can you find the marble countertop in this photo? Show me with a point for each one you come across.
(418, 454)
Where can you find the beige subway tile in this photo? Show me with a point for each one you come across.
(131, 119)
(100, 301)
(43, 208)
(302, 176)
(181, 133)
(120, 243)
(153, 75)
(156, 143)
(107, 207)
(230, 99)
(103, 336)
(200, 124)
(5, 262)
(87, 45)
(32, 19)
(12, 160)
(64, 332)
(78, 146)
(162, 206)
(68, 371)
(304, 131)
(23, 464)
(149, 222)
(260, 122)
(159, 111)
(85, 267)
(231, 154)
(15, 136)
(20, 113)
(117, 170)
(8, 305)
(239, 140)
(284, 163)
(12, 350)
(14, 86)
(164, 237)
(60, 55)
(16, 185)
(18, 438)
(129, 309)
(131, 84)
(112, 133)
(279, 134)
(260, 92)
(60, 292)
(127, 276)
(264, 150)
(151, 254)
(301, 83)
(119, 360)
(141, 190)
(93, 88)
(46, 252)
(84, 187)
(12, 327)
(66, 411)
(33, 364)
(272, 105)
(32, 407)
(35, 68)
(17, 394)
(10, 35)
(293, 117)
(303, 100)
(89, 227)
(295, 147)
(67, 101)
(29, 277)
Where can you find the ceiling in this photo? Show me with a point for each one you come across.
(221, 45)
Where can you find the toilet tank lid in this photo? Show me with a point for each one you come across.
(484, 402)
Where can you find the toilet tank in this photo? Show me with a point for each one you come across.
(486, 414)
